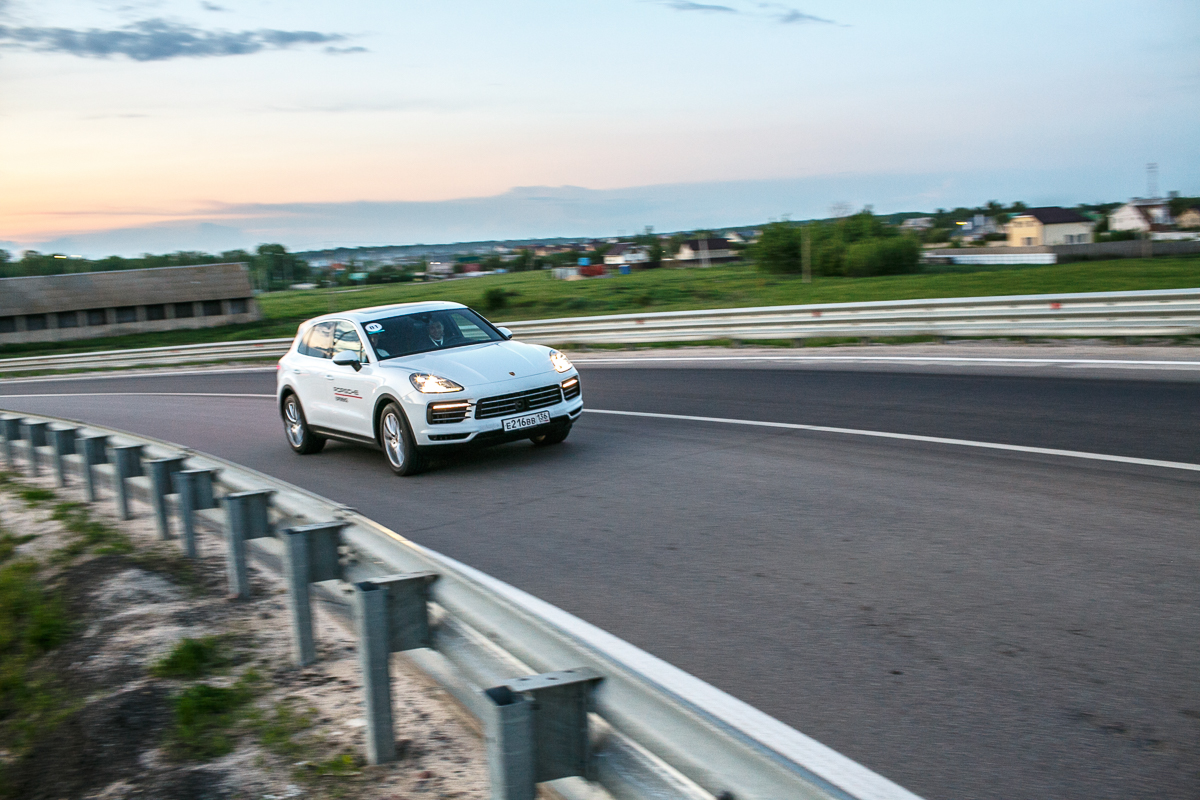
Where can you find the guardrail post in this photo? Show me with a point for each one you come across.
(537, 731)
(509, 733)
(245, 519)
(95, 451)
(35, 432)
(195, 489)
(64, 445)
(311, 557)
(161, 470)
(128, 462)
(12, 432)
(391, 614)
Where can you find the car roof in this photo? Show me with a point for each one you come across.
(361, 315)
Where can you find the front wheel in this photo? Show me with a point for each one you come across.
(295, 426)
(398, 443)
(554, 437)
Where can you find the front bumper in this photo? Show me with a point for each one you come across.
(473, 431)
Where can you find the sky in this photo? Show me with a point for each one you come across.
(162, 125)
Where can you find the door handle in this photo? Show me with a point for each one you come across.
(328, 377)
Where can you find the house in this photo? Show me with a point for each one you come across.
(705, 251)
(626, 253)
(1140, 214)
(1049, 226)
(1190, 218)
(976, 227)
(917, 224)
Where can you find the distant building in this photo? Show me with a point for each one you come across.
(917, 224)
(1049, 226)
(1141, 215)
(84, 305)
(1190, 218)
(626, 253)
(711, 250)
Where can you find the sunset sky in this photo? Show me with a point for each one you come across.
(162, 125)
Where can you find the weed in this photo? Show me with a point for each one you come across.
(191, 659)
(33, 621)
(10, 543)
(34, 497)
(276, 730)
(94, 536)
(207, 717)
(341, 765)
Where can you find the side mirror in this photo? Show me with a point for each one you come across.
(348, 358)
(505, 332)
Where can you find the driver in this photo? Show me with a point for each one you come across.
(437, 333)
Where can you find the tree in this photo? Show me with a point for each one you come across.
(778, 248)
(276, 268)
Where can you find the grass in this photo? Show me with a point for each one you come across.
(33, 621)
(277, 730)
(34, 496)
(206, 717)
(536, 295)
(93, 536)
(192, 659)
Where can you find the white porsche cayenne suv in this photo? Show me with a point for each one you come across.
(418, 378)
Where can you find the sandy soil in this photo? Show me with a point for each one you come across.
(131, 610)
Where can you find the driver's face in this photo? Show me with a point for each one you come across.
(435, 329)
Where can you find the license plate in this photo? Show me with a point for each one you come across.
(521, 423)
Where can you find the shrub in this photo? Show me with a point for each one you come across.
(892, 256)
(495, 299)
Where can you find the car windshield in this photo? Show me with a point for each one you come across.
(425, 331)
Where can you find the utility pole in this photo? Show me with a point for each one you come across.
(704, 251)
(806, 253)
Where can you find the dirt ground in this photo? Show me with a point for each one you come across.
(301, 733)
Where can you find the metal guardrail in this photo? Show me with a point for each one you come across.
(653, 731)
(1168, 312)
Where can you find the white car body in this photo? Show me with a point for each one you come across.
(340, 401)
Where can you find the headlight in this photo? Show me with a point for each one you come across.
(560, 362)
(433, 384)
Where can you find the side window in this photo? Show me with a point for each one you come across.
(318, 342)
(345, 337)
(469, 329)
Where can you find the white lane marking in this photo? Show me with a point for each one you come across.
(1108, 362)
(910, 437)
(142, 394)
(125, 374)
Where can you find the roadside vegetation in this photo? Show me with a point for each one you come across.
(536, 295)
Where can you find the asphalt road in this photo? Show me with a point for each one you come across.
(970, 623)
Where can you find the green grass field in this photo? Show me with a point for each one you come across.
(536, 295)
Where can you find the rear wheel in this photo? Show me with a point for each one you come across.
(554, 437)
(398, 444)
(295, 426)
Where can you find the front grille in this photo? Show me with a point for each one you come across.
(570, 388)
(446, 413)
(517, 402)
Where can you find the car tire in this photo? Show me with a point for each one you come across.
(295, 427)
(399, 447)
(554, 437)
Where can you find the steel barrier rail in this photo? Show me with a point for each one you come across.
(1168, 312)
(657, 732)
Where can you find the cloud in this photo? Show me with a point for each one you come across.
(681, 5)
(792, 17)
(212, 7)
(344, 51)
(782, 14)
(157, 40)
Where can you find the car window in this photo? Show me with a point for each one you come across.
(318, 342)
(345, 337)
(407, 334)
(470, 329)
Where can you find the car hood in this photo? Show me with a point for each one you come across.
(476, 364)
